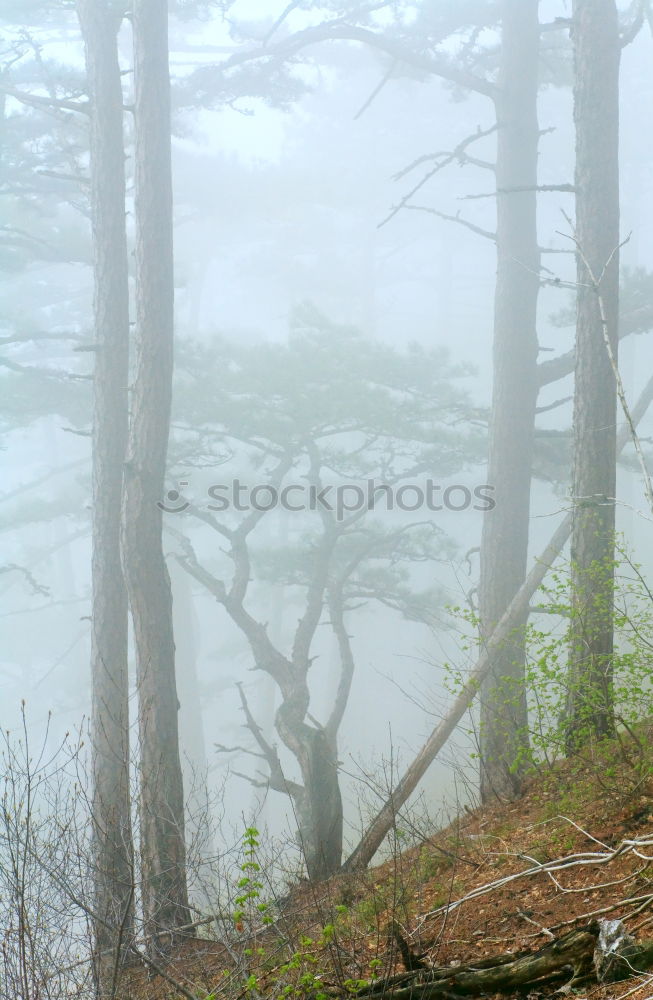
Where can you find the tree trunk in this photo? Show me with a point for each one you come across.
(192, 736)
(112, 835)
(596, 113)
(318, 800)
(163, 855)
(504, 545)
(319, 808)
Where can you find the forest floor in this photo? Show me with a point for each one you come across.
(513, 860)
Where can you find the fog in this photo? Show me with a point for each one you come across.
(294, 215)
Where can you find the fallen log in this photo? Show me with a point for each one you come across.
(574, 956)
(503, 973)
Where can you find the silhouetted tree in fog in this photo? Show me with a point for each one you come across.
(330, 408)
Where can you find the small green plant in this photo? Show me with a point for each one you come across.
(354, 985)
(249, 904)
(301, 968)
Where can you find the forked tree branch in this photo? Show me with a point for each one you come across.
(277, 779)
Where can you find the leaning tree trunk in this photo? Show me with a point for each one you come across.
(163, 855)
(596, 114)
(518, 607)
(112, 836)
(504, 545)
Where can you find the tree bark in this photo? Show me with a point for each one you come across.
(112, 835)
(596, 114)
(504, 544)
(163, 853)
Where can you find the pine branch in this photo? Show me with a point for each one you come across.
(34, 101)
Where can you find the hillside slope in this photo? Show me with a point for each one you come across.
(499, 880)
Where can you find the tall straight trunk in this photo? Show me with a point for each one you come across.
(504, 545)
(112, 834)
(163, 853)
(596, 114)
(192, 736)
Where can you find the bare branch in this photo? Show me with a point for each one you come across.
(554, 406)
(191, 564)
(551, 868)
(444, 158)
(556, 25)
(58, 176)
(280, 20)
(454, 218)
(567, 188)
(277, 781)
(336, 610)
(37, 588)
(266, 655)
(315, 597)
(78, 433)
(385, 79)
(239, 550)
(636, 25)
